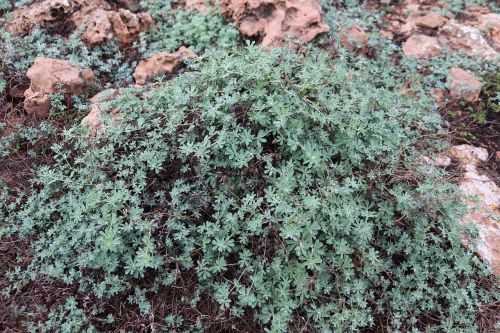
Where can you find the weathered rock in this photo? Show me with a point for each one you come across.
(415, 20)
(36, 103)
(273, 20)
(468, 155)
(431, 21)
(354, 37)
(475, 184)
(95, 17)
(490, 24)
(159, 64)
(408, 18)
(103, 25)
(48, 76)
(469, 39)
(39, 13)
(477, 9)
(409, 26)
(48, 12)
(421, 46)
(93, 119)
(464, 85)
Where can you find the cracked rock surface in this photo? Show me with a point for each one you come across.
(273, 20)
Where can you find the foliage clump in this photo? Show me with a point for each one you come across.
(198, 31)
(281, 190)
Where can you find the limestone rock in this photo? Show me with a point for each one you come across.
(468, 155)
(273, 20)
(409, 25)
(475, 184)
(464, 85)
(39, 13)
(354, 37)
(490, 24)
(421, 46)
(92, 120)
(36, 103)
(49, 75)
(160, 63)
(103, 25)
(431, 21)
(469, 39)
(95, 17)
(44, 13)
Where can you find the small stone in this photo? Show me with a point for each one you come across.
(36, 103)
(159, 64)
(421, 46)
(431, 21)
(442, 161)
(464, 85)
(354, 37)
(466, 154)
(92, 120)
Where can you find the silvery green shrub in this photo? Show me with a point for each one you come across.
(287, 184)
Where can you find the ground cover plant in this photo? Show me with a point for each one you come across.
(286, 190)
(267, 187)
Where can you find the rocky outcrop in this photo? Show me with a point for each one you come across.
(159, 64)
(464, 85)
(47, 12)
(94, 17)
(465, 38)
(273, 20)
(48, 76)
(485, 214)
(421, 46)
(103, 25)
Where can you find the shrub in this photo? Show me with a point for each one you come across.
(192, 29)
(282, 188)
